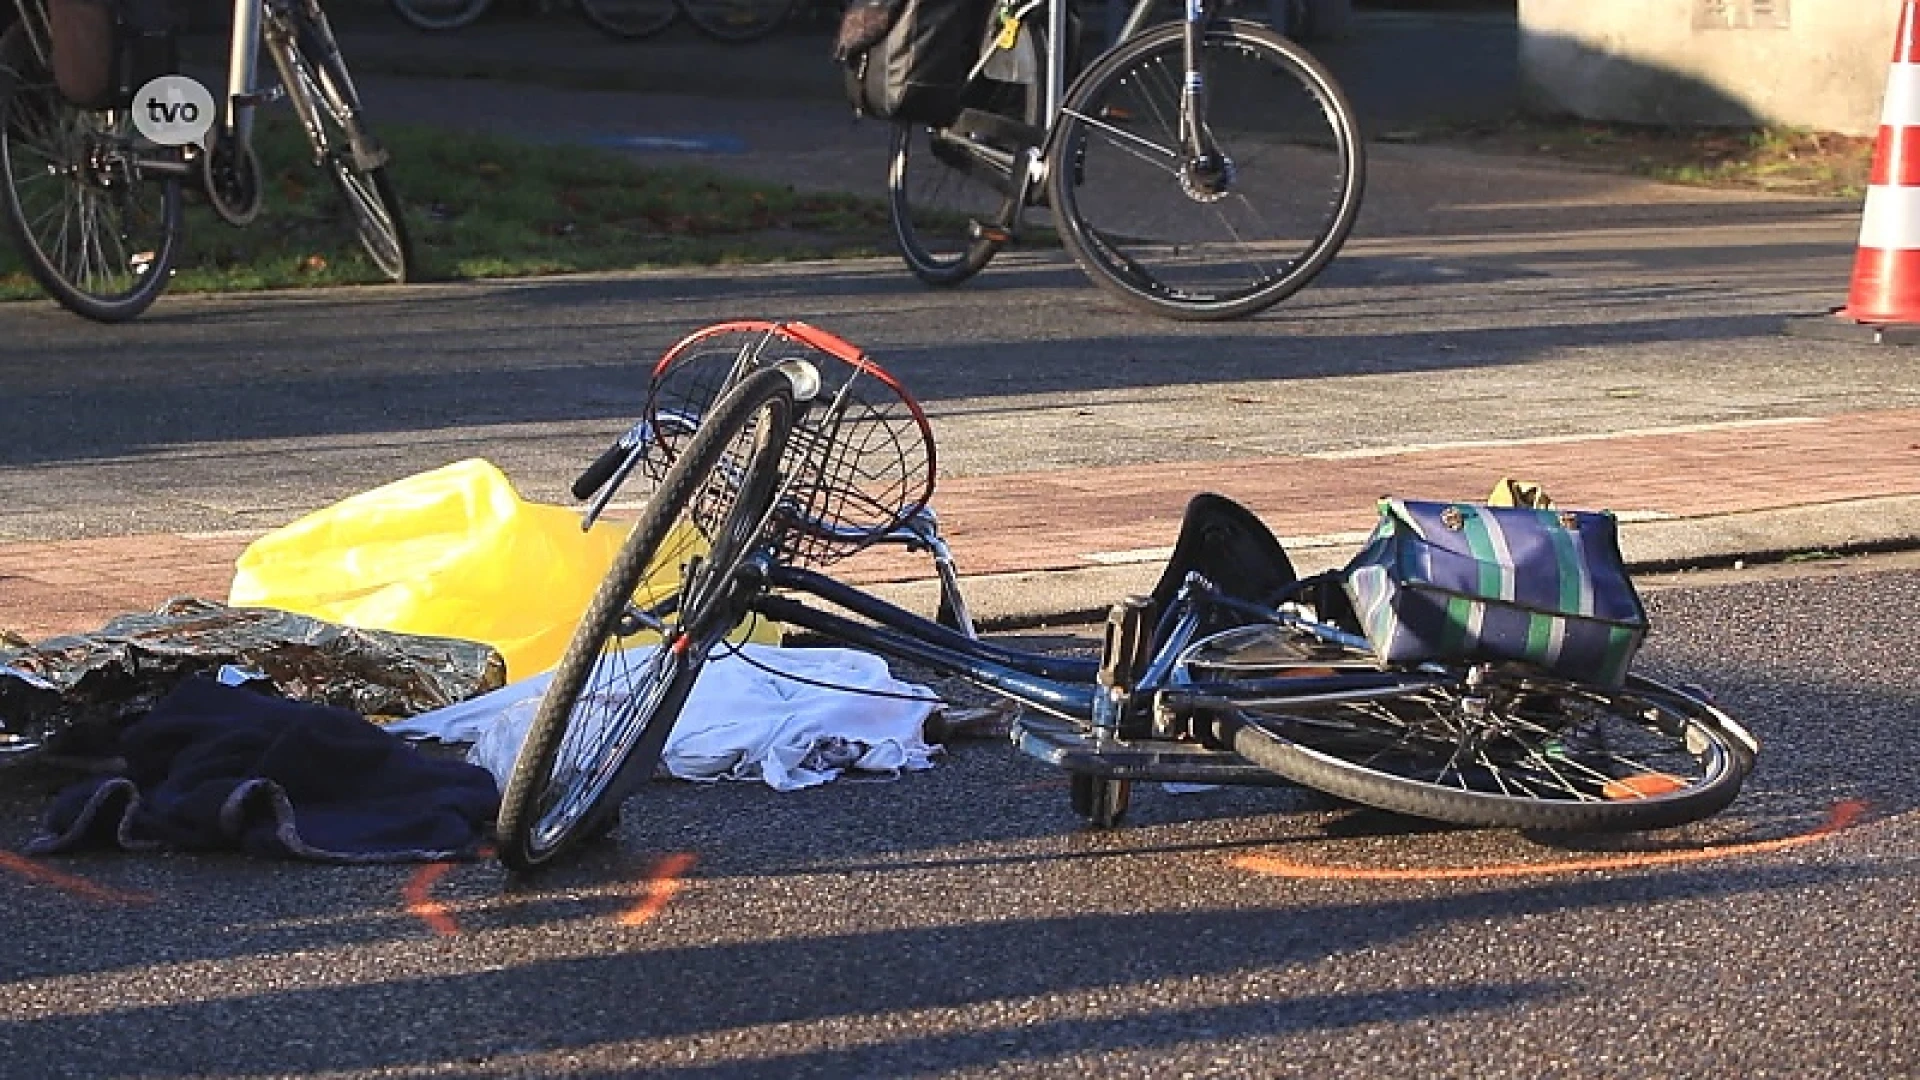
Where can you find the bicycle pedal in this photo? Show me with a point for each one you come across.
(999, 234)
(266, 96)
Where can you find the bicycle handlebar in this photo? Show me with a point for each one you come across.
(596, 475)
(630, 444)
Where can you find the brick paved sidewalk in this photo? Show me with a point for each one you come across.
(1071, 520)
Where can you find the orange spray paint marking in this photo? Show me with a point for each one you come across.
(662, 882)
(1640, 786)
(79, 886)
(1843, 816)
(431, 911)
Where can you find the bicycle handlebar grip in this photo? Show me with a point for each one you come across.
(595, 476)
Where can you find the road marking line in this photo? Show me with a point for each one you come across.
(28, 868)
(688, 144)
(1843, 816)
(1551, 440)
(663, 881)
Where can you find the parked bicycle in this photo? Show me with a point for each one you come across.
(96, 208)
(768, 450)
(1203, 168)
(722, 20)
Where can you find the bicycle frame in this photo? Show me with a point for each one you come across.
(1027, 170)
(1123, 716)
(243, 63)
(244, 93)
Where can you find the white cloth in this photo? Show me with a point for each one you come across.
(741, 722)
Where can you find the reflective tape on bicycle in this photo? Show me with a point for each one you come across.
(174, 110)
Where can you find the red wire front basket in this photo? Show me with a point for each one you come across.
(859, 463)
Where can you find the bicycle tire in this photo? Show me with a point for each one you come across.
(435, 16)
(941, 189)
(312, 69)
(719, 490)
(630, 20)
(1519, 750)
(55, 175)
(1177, 241)
(736, 21)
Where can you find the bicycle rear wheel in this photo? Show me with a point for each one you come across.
(97, 232)
(945, 184)
(1515, 750)
(737, 20)
(1196, 240)
(630, 20)
(323, 94)
(604, 719)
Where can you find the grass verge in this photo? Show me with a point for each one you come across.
(482, 207)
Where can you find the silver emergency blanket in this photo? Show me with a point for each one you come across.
(78, 689)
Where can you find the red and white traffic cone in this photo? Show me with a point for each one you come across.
(1883, 302)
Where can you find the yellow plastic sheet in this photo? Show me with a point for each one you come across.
(455, 552)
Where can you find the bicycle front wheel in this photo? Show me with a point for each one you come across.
(630, 20)
(1217, 237)
(97, 232)
(737, 20)
(1514, 750)
(673, 593)
(323, 94)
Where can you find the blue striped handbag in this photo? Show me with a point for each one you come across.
(1467, 582)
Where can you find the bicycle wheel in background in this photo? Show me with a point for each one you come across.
(98, 233)
(945, 184)
(737, 20)
(1188, 242)
(439, 14)
(630, 19)
(1515, 751)
(322, 93)
(670, 597)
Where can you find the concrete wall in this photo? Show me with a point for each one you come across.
(1818, 64)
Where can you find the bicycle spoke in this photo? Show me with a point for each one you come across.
(1567, 746)
(326, 102)
(597, 743)
(1130, 142)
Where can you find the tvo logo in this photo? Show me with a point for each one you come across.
(174, 110)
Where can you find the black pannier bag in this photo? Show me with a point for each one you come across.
(909, 59)
(104, 51)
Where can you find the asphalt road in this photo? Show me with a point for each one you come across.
(962, 922)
